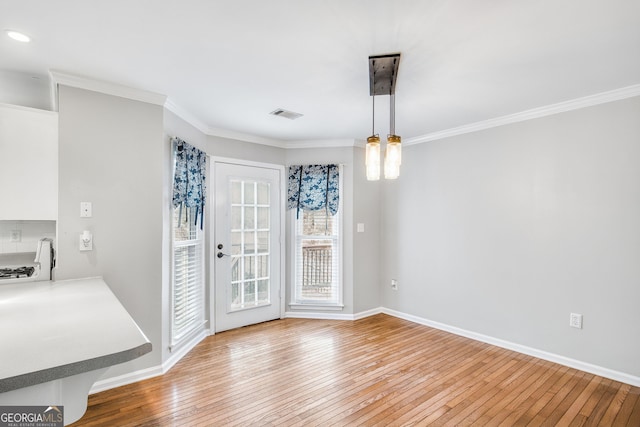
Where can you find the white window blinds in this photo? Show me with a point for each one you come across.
(187, 314)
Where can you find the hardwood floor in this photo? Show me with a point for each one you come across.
(378, 371)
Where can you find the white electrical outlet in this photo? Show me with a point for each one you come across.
(85, 243)
(575, 320)
(16, 236)
(394, 284)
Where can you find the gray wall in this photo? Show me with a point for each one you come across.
(111, 154)
(367, 246)
(234, 149)
(506, 231)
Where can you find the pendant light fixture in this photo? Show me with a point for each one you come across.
(383, 71)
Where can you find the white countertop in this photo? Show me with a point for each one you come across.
(51, 330)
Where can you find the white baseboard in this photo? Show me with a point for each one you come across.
(130, 378)
(180, 352)
(368, 313)
(540, 354)
(331, 316)
(154, 371)
(317, 315)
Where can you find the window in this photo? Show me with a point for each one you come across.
(187, 297)
(318, 259)
(187, 284)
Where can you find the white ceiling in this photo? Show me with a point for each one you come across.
(229, 63)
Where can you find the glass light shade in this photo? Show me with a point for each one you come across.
(372, 158)
(392, 157)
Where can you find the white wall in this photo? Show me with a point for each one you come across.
(25, 89)
(506, 231)
(111, 153)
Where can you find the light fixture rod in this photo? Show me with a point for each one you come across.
(392, 114)
(373, 118)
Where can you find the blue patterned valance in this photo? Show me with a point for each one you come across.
(314, 187)
(190, 180)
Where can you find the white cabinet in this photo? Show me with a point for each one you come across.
(28, 163)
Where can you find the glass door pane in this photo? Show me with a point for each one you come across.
(250, 236)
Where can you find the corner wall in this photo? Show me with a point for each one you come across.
(111, 154)
(506, 231)
(367, 248)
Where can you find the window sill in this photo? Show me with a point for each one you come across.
(315, 306)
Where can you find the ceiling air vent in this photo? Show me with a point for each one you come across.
(280, 112)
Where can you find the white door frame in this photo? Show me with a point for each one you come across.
(212, 238)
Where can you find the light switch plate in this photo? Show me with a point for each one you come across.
(360, 227)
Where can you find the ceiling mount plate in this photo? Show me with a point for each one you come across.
(383, 69)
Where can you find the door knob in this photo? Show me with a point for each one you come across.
(220, 255)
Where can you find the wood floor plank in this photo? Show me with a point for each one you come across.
(579, 401)
(623, 417)
(377, 371)
(349, 413)
(426, 385)
(455, 385)
(541, 397)
(510, 404)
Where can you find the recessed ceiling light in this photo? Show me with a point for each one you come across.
(17, 36)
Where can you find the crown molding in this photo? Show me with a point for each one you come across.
(321, 143)
(186, 116)
(62, 78)
(222, 133)
(246, 137)
(361, 143)
(59, 77)
(561, 107)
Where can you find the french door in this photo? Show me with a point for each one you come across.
(247, 247)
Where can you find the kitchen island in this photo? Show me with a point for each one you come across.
(58, 338)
